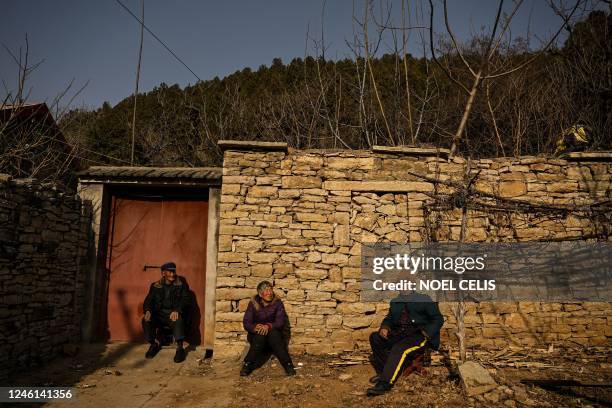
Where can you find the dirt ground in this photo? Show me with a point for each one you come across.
(116, 375)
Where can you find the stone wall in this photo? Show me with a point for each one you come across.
(43, 241)
(299, 218)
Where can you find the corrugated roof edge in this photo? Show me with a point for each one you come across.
(210, 173)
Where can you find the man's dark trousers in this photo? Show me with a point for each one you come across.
(391, 356)
(160, 320)
(262, 345)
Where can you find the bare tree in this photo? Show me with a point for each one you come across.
(480, 69)
(31, 144)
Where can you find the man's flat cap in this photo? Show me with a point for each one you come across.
(169, 266)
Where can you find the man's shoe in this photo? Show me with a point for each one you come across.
(380, 388)
(153, 350)
(375, 379)
(180, 354)
(247, 369)
(289, 369)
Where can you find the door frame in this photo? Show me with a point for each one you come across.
(95, 325)
(158, 198)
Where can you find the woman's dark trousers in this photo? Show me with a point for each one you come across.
(261, 346)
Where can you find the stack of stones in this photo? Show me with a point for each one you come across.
(43, 241)
(299, 218)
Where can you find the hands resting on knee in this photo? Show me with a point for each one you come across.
(262, 329)
(173, 316)
(384, 333)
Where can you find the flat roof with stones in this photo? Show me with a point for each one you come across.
(241, 145)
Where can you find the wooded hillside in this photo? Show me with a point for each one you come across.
(319, 103)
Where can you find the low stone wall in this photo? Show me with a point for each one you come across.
(43, 241)
(299, 218)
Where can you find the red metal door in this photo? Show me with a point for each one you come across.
(152, 232)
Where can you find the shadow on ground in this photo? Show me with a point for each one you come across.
(118, 375)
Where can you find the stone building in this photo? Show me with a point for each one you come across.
(299, 218)
(44, 234)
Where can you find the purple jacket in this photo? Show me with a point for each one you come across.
(273, 314)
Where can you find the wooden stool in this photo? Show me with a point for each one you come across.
(415, 366)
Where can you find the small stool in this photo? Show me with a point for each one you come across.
(416, 366)
(164, 335)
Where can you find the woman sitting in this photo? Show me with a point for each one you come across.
(264, 320)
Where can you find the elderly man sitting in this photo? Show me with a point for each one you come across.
(412, 324)
(165, 306)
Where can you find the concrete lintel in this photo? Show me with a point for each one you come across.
(212, 245)
(412, 151)
(252, 145)
(589, 156)
(393, 186)
(96, 195)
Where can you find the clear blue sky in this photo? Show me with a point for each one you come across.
(98, 40)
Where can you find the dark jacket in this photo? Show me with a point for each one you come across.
(273, 314)
(424, 312)
(178, 301)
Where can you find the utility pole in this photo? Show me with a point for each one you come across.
(137, 80)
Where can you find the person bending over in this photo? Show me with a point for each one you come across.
(264, 320)
(412, 324)
(165, 306)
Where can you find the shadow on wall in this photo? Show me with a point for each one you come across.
(194, 319)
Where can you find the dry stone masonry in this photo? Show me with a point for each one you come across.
(43, 241)
(299, 218)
